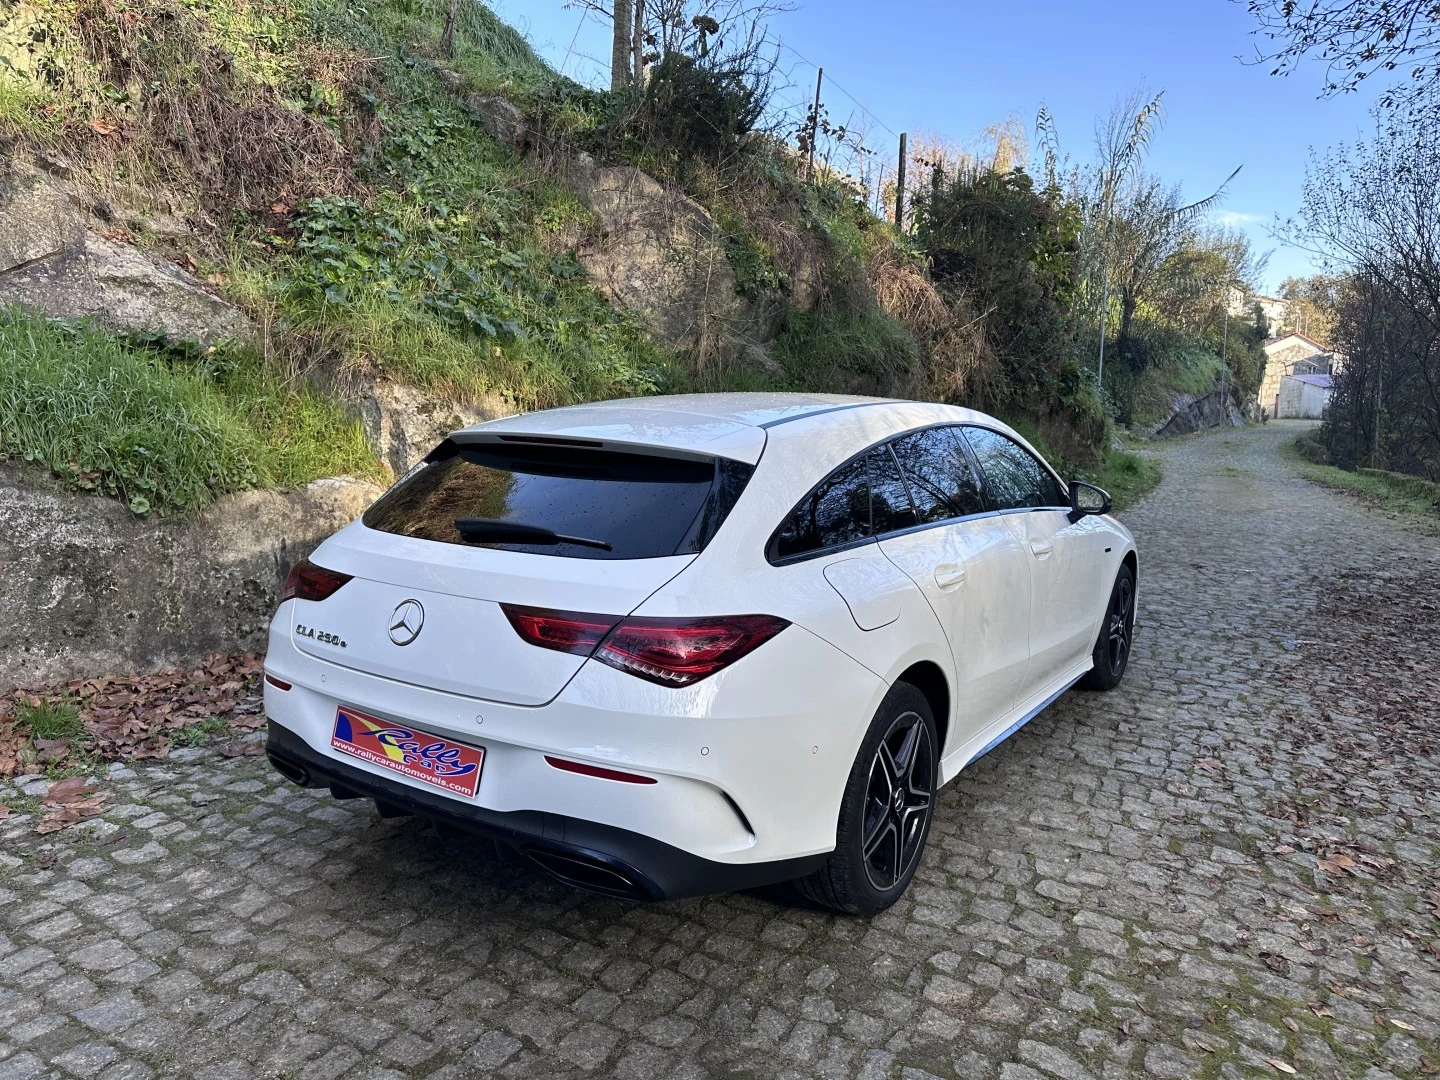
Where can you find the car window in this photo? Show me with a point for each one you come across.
(942, 483)
(642, 505)
(1013, 476)
(890, 507)
(836, 512)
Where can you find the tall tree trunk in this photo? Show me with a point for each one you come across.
(621, 45)
(1127, 312)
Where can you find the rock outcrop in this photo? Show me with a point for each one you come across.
(52, 262)
(657, 252)
(87, 588)
(404, 424)
(1191, 414)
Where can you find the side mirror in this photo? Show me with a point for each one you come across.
(1087, 499)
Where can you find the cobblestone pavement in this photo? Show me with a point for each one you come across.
(1123, 889)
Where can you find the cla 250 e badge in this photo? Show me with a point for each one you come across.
(408, 751)
(322, 636)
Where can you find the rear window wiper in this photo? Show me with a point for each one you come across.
(475, 530)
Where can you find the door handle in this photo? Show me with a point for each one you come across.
(1041, 548)
(949, 575)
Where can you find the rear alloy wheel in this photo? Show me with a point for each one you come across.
(885, 814)
(1117, 634)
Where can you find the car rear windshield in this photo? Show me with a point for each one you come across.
(643, 506)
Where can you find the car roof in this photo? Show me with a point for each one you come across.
(727, 425)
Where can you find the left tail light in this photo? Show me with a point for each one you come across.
(671, 652)
(306, 581)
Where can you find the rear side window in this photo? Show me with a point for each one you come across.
(942, 483)
(837, 512)
(1014, 477)
(644, 506)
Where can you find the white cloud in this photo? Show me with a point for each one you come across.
(1233, 218)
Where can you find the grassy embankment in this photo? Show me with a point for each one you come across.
(1411, 496)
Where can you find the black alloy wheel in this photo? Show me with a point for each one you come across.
(1117, 634)
(897, 801)
(885, 810)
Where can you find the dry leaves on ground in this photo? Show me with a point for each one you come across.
(69, 802)
(130, 716)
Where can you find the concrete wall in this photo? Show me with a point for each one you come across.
(1301, 400)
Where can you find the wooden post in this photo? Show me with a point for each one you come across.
(637, 43)
(447, 38)
(900, 189)
(815, 123)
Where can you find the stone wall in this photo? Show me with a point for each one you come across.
(86, 588)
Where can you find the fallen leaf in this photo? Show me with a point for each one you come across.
(241, 748)
(1281, 1066)
(1291, 1023)
(1319, 1009)
(46, 859)
(101, 126)
(71, 789)
(1401, 1024)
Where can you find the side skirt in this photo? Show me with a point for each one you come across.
(966, 758)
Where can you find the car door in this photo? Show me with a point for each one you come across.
(827, 541)
(1034, 504)
(970, 567)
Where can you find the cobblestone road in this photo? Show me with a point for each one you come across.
(1123, 889)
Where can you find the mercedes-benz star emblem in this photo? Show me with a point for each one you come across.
(406, 621)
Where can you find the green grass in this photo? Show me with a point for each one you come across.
(839, 346)
(161, 429)
(1128, 477)
(450, 275)
(1411, 496)
(51, 720)
(201, 732)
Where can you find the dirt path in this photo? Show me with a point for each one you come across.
(1227, 867)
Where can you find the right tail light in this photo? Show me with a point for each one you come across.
(671, 652)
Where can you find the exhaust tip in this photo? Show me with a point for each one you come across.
(290, 770)
(592, 875)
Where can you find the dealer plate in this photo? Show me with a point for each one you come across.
(405, 749)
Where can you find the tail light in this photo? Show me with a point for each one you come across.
(563, 631)
(306, 581)
(671, 652)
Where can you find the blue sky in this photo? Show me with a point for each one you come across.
(954, 68)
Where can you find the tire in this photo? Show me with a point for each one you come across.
(1117, 635)
(893, 819)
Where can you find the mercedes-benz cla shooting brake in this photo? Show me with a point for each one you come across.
(672, 646)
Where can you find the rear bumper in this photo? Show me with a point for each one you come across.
(585, 854)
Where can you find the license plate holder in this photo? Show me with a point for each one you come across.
(405, 749)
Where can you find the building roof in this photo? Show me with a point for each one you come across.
(1285, 337)
(1324, 381)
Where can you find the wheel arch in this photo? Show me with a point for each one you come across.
(929, 678)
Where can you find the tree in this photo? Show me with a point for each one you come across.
(1374, 209)
(621, 45)
(1357, 39)
(1314, 305)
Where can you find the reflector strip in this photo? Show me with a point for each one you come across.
(273, 681)
(596, 770)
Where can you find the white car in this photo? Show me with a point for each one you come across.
(680, 645)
